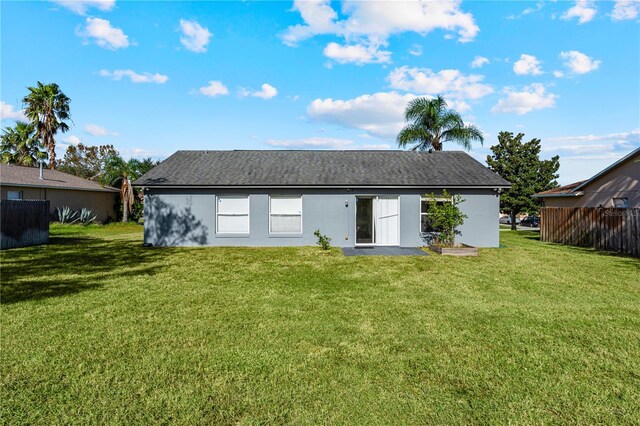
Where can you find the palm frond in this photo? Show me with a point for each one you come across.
(430, 124)
(417, 135)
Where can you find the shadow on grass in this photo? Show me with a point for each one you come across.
(621, 258)
(624, 258)
(71, 264)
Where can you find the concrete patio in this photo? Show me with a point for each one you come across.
(383, 251)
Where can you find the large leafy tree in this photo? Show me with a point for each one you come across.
(120, 173)
(146, 164)
(47, 108)
(430, 124)
(86, 161)
(19, 145)
(519, 162)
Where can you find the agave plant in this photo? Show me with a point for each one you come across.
(86, 217)
(66, 215)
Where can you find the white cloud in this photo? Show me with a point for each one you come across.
(380, 114)
(479, 62)
(451, 84)
(584, 10)
(529, 10)
(558, 74)
(415, 50)
(625, 10)
(527, 65)
(578, 62)
(8, 113)
(584, 155)
(267, 91)
(80, 7)
(104, 35)
(95, 130)
(195, 37)
(372, 23)
(312, 143)
(531, 98)
(215, 88)
(357, 53)
(386, 18)
(377, 146)
(72, 140)
(319, 18)
(135, 77)
(66, 142)
(323, 143)
(630, 138)
(458, 106)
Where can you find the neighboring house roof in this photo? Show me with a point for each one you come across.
(272, 168)
(574, 189)
(12, 175)
(561, 190)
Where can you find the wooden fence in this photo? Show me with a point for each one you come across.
(23, 223)
(606, 229)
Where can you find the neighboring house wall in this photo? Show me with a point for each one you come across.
(187, 217)
(621, 182)
(101, 203)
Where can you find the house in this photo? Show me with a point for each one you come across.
(616, 186)
(279, 198)
(61, 189)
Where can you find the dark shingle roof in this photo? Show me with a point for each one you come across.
(320, 168)
(12, 175)
(565, 189)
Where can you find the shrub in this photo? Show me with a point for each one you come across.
(86, 217)
(66, 215)
(445, 217)
(323, 240)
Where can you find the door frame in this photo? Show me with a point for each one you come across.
(373, 220)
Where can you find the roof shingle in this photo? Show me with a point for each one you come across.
(321, 168)
(11, 174)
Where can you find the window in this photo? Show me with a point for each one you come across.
(425, 224)
(232, 215)
(285, 215)
(621, 203)
(14, 195)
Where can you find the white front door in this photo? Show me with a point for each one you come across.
(387, 221)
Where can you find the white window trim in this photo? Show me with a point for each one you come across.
(301, 214)
(248, 197)
(438, 199)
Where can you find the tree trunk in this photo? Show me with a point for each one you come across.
(125, 210)
(514, 227)
(52, 154)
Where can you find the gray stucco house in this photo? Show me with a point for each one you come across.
(279, 198)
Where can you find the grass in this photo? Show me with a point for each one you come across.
(98, 329)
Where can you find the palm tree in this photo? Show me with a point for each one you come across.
(19, 145)
(118, 172)
(430, 124)
(47, 108)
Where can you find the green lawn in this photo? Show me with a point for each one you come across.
(98, 329)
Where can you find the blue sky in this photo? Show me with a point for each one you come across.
(155, 77)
